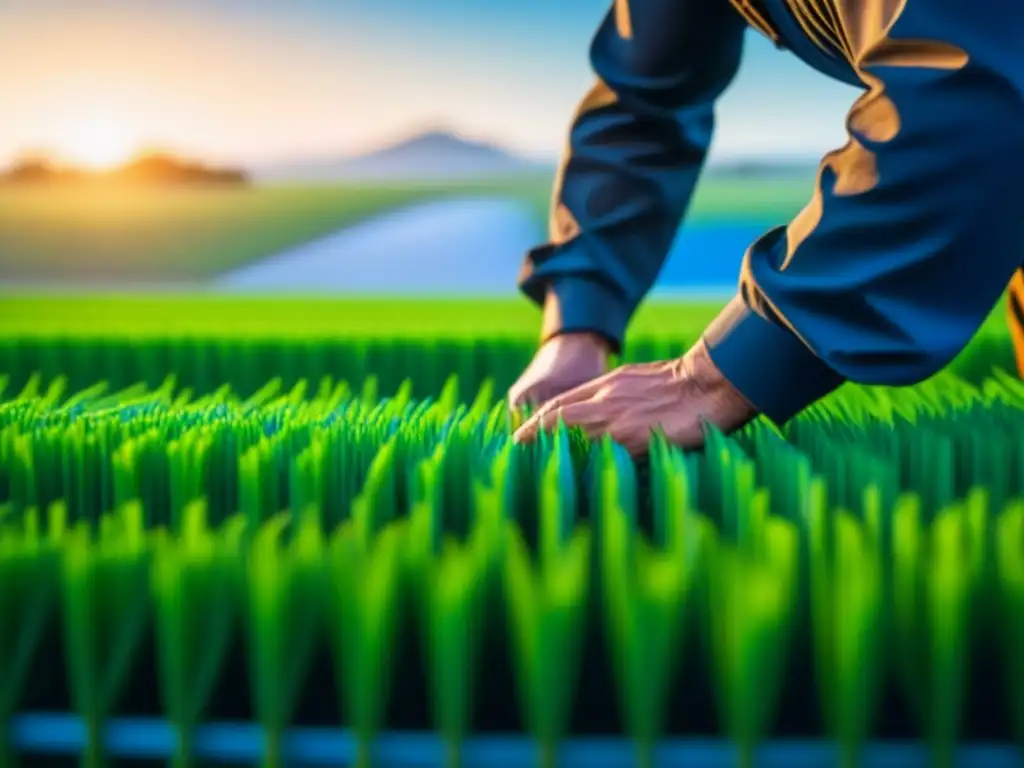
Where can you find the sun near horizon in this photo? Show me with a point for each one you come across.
(98, 142)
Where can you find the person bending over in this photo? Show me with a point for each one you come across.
(913, 232)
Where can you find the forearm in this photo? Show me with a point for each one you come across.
(913, 232)
(636, 149)
(618, 207)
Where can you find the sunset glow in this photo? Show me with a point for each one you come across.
(95, 82)
(96, 142)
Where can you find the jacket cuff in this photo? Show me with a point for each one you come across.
(772, 368)
(574, 304)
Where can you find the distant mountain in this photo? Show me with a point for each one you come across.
(442, 154)
(431, 155)
(771, 167)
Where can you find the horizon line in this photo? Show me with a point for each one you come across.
(398, 138)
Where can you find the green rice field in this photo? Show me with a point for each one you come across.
(186, 235)
(310, 517)
(207, 341)
(170, 234)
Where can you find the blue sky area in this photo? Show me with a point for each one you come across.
(264, 79)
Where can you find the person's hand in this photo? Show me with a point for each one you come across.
(629, 403)
(561, 364)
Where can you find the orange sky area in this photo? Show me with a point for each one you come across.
(95, 88)
(103, 87)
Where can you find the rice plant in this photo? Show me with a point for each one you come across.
(318, 556)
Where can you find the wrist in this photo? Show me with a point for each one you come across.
(767, 362)
(724, 405)
(587, 338)
(583, 306)
(583, 347)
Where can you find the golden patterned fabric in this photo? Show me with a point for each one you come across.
(751, 11)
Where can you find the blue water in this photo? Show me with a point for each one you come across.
(53, 735)
(708, 256)
(453, 247)
(472, 246)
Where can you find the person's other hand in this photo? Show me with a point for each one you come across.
(629, 403)
(561, 364)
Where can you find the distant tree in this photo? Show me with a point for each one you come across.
(158, 167)
(31, 167)
(152, 167)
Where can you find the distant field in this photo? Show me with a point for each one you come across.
(756, 199)
(148, 316)
(210, 340)
(178, 235)
(182, 315)
(169, 235)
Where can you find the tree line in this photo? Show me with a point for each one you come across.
(150, 168)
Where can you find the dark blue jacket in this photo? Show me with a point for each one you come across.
(914, 229)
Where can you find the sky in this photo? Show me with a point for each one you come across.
(259, 81)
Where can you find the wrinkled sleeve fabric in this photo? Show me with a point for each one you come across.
(636, 148)
(915, 226)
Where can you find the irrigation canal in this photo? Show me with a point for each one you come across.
(467, 246)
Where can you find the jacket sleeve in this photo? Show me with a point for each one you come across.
(636, 148)
(915, 226)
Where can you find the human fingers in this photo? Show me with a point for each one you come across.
(527, 432)
(590, 416)
(536, 391)
(520, 395)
